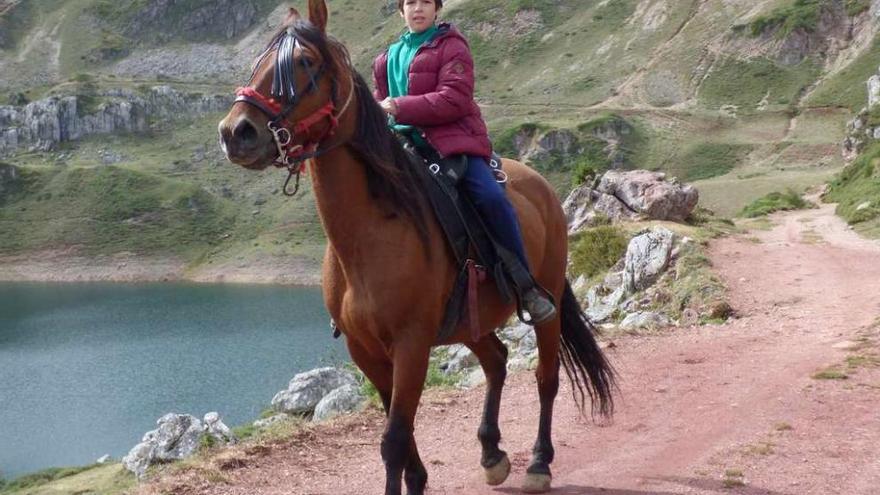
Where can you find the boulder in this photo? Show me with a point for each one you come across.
(458, 358)
(307, 389)
(645, 319)
(629, 196)
(139, 458)
(873, 90)
(647, 256)
(650, 194)
(602, 303)
(474, 378)
(215, 427)
(345, 399)
(177, 437)
(586, 207)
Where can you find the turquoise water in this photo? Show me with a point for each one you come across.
(86, 369)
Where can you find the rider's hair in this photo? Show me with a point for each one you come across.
(438, 3)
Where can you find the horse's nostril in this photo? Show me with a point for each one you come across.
(245, 132)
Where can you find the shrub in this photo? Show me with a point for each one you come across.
(586, 169)
(856, 7)
(775, 201)
(803, 14)
(595, 250)
(857, 184)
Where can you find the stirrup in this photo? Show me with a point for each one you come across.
(543, 293)
(522, 282)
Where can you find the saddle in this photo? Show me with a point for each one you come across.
(475, 250)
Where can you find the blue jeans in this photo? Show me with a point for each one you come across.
(494, 207)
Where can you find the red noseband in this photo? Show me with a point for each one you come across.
(291, 155)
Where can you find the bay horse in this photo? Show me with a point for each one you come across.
(387, 271)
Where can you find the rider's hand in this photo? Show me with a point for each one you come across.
(389, 106)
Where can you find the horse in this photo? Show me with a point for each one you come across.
(387, 271)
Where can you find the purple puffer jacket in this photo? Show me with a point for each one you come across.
(441, 95)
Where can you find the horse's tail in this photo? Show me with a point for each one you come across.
(585, 363)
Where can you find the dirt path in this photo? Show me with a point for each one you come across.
(701, 408)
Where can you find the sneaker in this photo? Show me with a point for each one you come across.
(539, 306)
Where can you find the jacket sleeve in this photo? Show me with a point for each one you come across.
(454, 95)
(380, 77)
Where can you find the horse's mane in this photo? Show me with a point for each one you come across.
(391, 177)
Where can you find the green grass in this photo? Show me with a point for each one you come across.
(847, 87)
(745, 83)
(106, 479)
(594, 251)
(157, 201)
(800, 15)
(857, 184)
(587, 157)
(111, 209)
(696, 286)
(775, 201)
(856, 7)
(832, 373)
(707, 160)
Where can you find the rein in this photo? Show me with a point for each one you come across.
(294, 156)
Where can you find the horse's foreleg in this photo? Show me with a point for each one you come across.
(538, 473)
(493, 358)
(377, 369)
(398, 444)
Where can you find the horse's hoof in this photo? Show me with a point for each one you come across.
(496, 474)
(536, 483)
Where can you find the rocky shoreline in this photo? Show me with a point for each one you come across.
(62, 266)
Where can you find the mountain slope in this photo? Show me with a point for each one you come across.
(743, 96)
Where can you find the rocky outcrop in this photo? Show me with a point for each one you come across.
(341, 400)
(831, 35)
(43, 124)
(306, 390)
(601, 139)
(645, 320)
(865, 127)
(163, 20)
(177, 437)
(629, 196)
(647, 257)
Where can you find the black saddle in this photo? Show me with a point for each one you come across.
(467, 235)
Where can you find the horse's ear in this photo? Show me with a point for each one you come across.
(292, 16)
(318, 14)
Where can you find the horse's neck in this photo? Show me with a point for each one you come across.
(349, 215)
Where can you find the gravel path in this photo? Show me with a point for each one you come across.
(730, 408)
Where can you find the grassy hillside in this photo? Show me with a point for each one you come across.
(170, 193)
(857, 191)
(698, 82)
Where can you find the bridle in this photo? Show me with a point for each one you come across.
(283, 98)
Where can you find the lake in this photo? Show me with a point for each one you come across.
(86, 369)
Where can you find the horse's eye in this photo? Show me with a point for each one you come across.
(306, 62)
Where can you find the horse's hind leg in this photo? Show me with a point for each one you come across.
(493, 358)
(538, 473)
